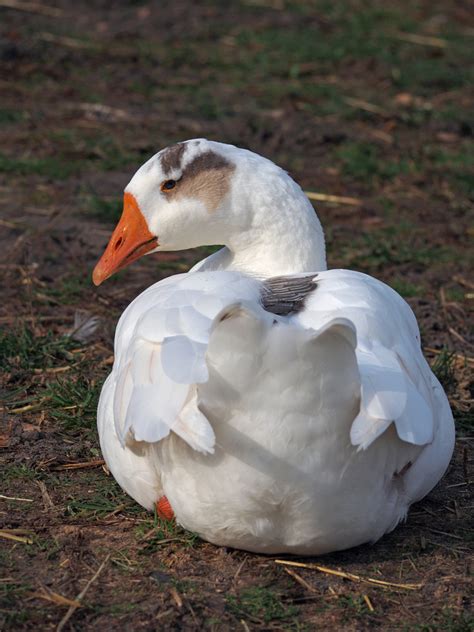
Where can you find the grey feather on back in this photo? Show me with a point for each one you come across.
(284, 295)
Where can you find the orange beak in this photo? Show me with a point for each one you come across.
(130, 240)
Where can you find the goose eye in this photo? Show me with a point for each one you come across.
(167, 185)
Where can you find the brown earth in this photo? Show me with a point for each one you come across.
(368, 100)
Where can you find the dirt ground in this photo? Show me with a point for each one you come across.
(368, 100)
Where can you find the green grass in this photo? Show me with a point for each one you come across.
(115, 609)
(353, 606)
(464, 421)
(99, 151)
(444, 369)
(99, 495)
(50, 167)
(279, 56)
(461, 158)
(69, 289)
(454, 113)
(266, 66)
(106, 154)
(455, 294)
(354, 34)
(10, 595)
(260, 603)
(406, 288)
(20, 348)
(69, 160)
(93, 507)
(18, 472)
(364, 161)
(158, 531)
(262, 68)
(456, 165)
(447, 620)
(8, 116)
(464, 182)
(105, 209)
(50, 547)
(394, 246)
(73, 402)
(428, 74)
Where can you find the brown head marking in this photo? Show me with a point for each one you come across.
(206, 177)
(207, 161)
(171, 158)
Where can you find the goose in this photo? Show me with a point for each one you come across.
(260, 400)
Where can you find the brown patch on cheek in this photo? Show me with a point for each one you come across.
(206, 178)
(210, 188)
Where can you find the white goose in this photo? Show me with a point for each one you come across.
(289, 414)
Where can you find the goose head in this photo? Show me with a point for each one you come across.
(201, 192)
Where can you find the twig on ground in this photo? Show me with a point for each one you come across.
(381, 135)
(462, 281)
(453, 549)
(300, 580)
(423, 40)
(8, 224)
(47, 502)
(241, 565)
(176, 597)
(368, 107)
(456, 510)
(457, 335)
(69, 42)
(32, 7)
(244, 625)
(164, 541)
(450, 535)
(7, 535)
(22, 500)
(351, 576)
(49, 595)
(465, 464)
(117, 510)
(333, 199)
(27, 408)
(81, 595)
(79, 466)
(56, 369)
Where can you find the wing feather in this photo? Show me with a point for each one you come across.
(161, 346)
(394, 377)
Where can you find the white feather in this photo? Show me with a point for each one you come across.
(183, 360)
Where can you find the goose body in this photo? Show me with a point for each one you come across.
(277, 405)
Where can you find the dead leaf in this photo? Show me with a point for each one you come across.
(404, 98)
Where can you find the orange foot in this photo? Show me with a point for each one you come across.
(164, 509)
